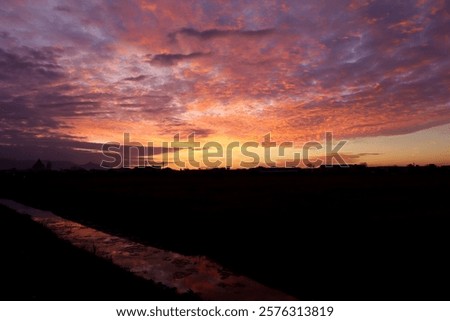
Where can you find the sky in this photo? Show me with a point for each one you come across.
(77, 74)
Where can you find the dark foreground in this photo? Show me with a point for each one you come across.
(36, 265)
(354, 234)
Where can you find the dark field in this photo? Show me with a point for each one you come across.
(36, 265)
(349, 234)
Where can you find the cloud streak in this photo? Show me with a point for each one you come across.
(218, 33)
(171, 59)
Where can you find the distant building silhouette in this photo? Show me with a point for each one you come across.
(38, 166)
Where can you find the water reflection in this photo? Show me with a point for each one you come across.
(199, 274)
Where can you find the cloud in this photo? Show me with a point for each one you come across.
(137, 78)
(151, 104)
(63, 8)
(217, 33)
(237, 69)
(199, 132)
(30, 64)
(368, 154)
(356, 157)
(171, 59)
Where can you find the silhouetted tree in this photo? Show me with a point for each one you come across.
(38, 166)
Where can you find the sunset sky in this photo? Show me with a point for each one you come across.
(77, 74)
